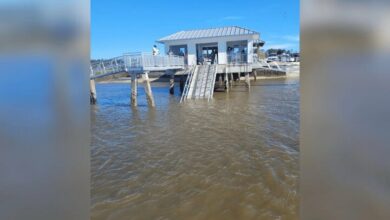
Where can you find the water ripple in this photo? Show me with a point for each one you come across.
(235, 157)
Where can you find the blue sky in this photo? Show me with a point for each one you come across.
(119, 26)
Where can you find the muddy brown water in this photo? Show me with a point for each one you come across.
(235, 157)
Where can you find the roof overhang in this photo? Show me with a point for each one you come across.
(259, 43)
(203, 38)
(213, 33)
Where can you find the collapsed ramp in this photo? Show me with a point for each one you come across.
(272, 68)
(200, 83)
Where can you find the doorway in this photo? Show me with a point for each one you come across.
(207, 53)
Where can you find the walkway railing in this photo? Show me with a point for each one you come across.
(136, 62)
(107, 67)
(148, 60)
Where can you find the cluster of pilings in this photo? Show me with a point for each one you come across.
(227, 80)
(134, 87)
(147, 87)
(269, 72)
(224, 80)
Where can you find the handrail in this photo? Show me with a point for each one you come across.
(104, 67)
(188, 82)
(142, 60)
(213, 82)
(135, 61)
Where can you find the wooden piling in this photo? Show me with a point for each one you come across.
(148, 89)
(182, 82)
(227, 70)
(231, 79)
(228, 75)
(92, 89)
(254, 73)
(247, 80)
(134, 89)
(226, 82)
(239, 74)
(172, 82)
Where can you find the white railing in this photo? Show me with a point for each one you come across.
(237, 58)
(113, 65)
(265, 63)
(149, 61)
(136, 62)
(133, 60)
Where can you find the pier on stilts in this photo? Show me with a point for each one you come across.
(210, 58)
(201, 80)
(135, 64)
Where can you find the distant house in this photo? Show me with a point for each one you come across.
(284, 57)
(296, 57)
(273, 58)
(214, 46)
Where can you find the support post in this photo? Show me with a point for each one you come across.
(182, 82)
(172, 83)
(227, 71)
(231, 79)
(116, 65)
(230, 73)
(134, 89)
(239, 74)
(92, 89)
(226, 81)
(254, 73)
(247, 81)
(104, 68)
(148, 89)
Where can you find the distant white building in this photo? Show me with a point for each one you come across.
(214, 46)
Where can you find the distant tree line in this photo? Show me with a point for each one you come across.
(278, 52)
(93, 61)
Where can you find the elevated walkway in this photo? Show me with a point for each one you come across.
(200, 83)
(108, 67)
(136, 63)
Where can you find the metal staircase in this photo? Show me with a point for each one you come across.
(188, 83)
(200, 83)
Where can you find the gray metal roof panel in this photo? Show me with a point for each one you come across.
(213, 32)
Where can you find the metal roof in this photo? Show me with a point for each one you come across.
(212, 32)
